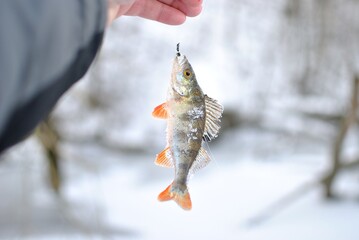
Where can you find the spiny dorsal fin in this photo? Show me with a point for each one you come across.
(214, 112)
(164, 158)
(160, 111)
(201, 161)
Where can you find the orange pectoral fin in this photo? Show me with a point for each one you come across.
(160, 111)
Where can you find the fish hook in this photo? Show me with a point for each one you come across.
(178, 53)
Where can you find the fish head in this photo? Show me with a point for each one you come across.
(183, 77)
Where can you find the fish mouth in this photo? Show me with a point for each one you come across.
(178, 83)
(181, 60)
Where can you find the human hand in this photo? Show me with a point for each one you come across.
(172, 12)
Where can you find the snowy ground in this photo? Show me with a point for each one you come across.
(113, 196)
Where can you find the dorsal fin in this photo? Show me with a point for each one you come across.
(214, 112)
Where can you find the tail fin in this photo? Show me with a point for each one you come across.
(183, 199)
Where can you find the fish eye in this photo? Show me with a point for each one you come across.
(187, 73)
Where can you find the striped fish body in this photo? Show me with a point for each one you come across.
(185, 129)
(192, 117)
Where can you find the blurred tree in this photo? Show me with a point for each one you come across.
(337, 161)
(49, 138)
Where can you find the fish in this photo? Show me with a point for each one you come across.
(192, 119)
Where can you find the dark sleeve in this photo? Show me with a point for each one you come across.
(45, 47)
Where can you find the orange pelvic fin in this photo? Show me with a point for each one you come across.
(160, 111)
(182, 199)
(164, 158)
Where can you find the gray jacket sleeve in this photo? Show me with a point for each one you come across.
(45, 47)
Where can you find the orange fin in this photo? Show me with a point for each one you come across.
(182, 199)
(160, 111)
(166, 195)
(164, 158)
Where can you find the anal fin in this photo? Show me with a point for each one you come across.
(201, 161)
(164, 158)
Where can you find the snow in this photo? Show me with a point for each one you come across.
(113, 195)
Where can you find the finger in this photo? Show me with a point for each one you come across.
(190, 3)
(158, 11)
(190, 8)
